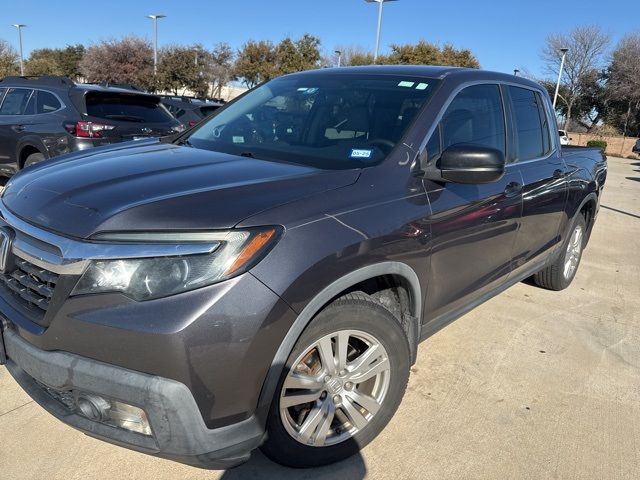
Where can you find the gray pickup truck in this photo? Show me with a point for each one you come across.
(264, 279)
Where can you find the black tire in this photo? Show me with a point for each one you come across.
(356, 311)
(33, 159)
(553, 277)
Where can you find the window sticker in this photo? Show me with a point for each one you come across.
(360, 153)
(238, 139)
(422, 86)
(406, 84)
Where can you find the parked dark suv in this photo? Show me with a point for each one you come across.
(265, 278)
(41, 117)
(188, 110)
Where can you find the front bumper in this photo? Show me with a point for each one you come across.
(178, 430)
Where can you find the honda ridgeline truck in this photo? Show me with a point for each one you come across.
(264, 279)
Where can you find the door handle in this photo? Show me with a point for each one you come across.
(512, 189)
(559, 173)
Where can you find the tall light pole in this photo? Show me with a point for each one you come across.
(380, 5)
(20, 26)
(339, 53)
(555, 96)
(155, 19)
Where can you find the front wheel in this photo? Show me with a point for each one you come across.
(561, 273)
(341, 385)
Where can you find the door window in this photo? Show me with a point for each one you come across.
(474, 117)
(527, 109)
(15, 101)
(47, 102)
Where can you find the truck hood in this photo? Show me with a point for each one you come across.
(156, 186)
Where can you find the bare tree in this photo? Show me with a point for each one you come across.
(586, 46)
(350, 56)
(221, 67)
(623, 87)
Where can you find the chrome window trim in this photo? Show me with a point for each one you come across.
(471, 83)
(77, 254)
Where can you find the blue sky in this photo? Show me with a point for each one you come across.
(503, 34)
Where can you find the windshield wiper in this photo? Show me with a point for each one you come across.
(247, 154)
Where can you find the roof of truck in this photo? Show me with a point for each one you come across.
(426, 71)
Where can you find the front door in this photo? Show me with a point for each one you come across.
(14, 104)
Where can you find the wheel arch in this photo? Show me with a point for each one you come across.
(589, 209)
(330, 292)
(28, 146)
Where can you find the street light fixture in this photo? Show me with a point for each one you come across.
(155, 19)
(555, 96)
(20, 26)
(380, 5)
(339, 53)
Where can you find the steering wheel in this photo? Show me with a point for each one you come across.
(385, 145)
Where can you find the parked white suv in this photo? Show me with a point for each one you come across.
(564, 137)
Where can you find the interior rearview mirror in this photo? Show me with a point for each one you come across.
(471, 164)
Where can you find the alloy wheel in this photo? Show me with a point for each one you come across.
(335, 388)
(572, 256)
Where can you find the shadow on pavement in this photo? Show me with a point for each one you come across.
(261, 467)
(635, 179)
(622, 211)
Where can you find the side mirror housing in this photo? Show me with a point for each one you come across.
(471, 164)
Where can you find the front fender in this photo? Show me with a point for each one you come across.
(320, 300)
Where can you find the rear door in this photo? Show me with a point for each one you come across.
(16, 106)
(131, 115)
(537, 157)
(473, 226)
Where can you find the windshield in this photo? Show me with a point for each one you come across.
(328, 121)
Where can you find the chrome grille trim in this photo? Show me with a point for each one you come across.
(31, 284)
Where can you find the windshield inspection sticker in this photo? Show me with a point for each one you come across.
(237, 139)
(360, 153)
(406, 84)
(422, 86)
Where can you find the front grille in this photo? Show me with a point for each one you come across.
(31, 285)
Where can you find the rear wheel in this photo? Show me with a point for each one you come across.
(33, 159)
(561, 273)
(341, 385)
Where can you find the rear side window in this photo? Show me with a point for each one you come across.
(206, 111)
(15, 101)
(475, 117)
(528, 117)
(126, 108)
(47, 102)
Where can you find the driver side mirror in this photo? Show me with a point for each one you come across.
(471, 164)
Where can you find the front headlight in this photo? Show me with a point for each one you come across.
(232, 253)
